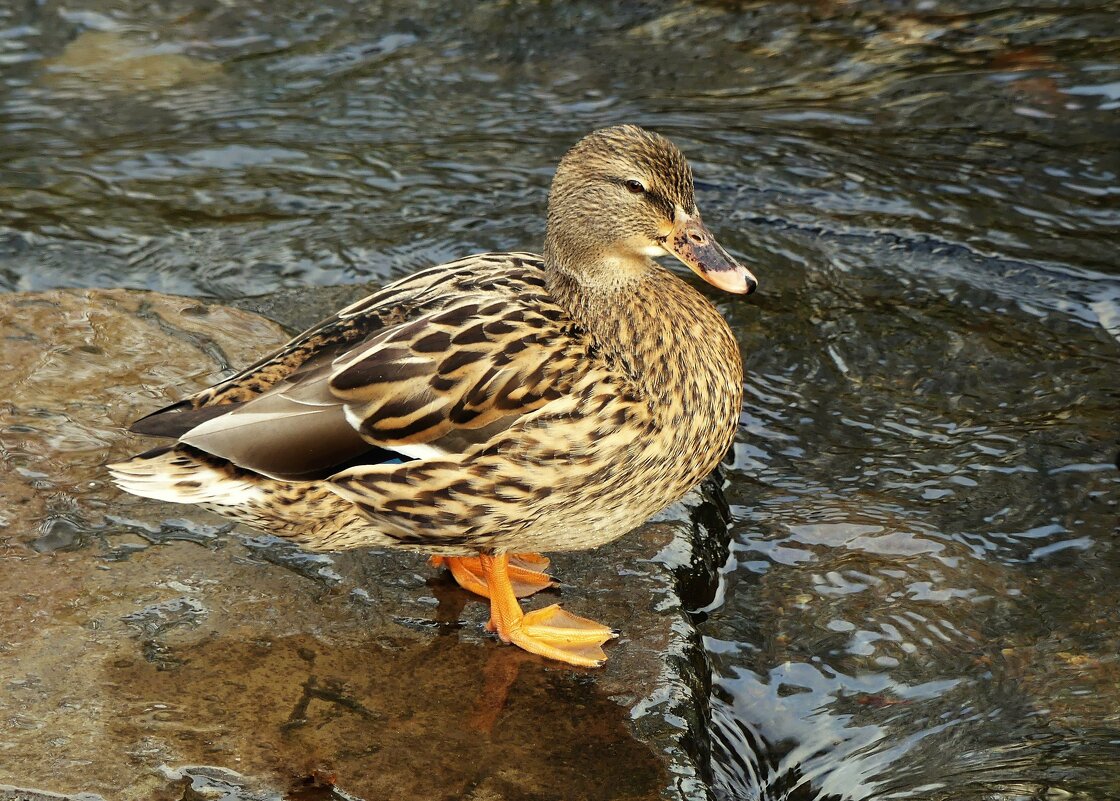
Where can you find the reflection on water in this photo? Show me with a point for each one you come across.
(921, 600)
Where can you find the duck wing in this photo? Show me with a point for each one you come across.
(430, 366)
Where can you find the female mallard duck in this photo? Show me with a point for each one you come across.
(498, 404)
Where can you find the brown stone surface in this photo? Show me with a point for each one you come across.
(115, 63)
(140, 640)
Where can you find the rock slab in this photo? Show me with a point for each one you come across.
(151, 651)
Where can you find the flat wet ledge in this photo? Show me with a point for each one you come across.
(152, 651)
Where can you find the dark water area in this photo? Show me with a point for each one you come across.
(922, 599)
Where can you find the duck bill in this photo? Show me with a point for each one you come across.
(692, 243)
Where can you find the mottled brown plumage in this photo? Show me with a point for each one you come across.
(540, 404)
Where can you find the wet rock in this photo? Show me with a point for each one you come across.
(10, 793)
(138, 635)
(156, 619)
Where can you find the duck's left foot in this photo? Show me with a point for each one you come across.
(526, 573)
(557, 634)
(550, 632)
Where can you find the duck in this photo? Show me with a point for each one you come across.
(492, 409)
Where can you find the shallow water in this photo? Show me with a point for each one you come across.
(921, 600)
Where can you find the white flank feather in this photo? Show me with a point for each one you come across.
(160, 478)
(422, 450)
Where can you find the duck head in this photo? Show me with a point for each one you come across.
(622, 195)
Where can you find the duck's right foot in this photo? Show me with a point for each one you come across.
(550, 632)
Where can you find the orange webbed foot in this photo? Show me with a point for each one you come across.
(550, 632)
(557, 634)
(526, 572)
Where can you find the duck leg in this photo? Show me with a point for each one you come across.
(550, 632)
(526, 573)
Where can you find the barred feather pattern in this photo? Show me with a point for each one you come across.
(540, 420)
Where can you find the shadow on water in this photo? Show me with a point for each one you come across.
(921, 598)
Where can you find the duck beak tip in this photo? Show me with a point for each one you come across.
(693, 244)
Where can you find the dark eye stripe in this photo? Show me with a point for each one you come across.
(664, 204)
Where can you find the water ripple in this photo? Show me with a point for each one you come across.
(921, 600)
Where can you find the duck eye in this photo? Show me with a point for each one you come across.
(635, 186)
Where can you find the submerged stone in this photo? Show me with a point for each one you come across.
(108, 61)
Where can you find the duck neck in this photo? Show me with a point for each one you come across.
(577, 278)
(599, 291)
(625, 307)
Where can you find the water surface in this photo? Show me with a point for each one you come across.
(921, 600)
